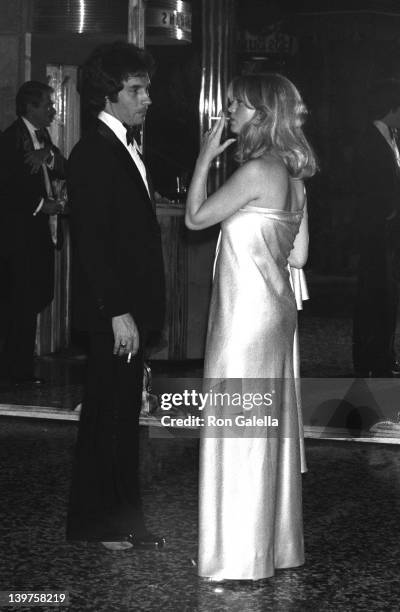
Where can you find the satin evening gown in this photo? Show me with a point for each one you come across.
(250, 508)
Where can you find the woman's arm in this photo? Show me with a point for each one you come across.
(299, 253)
(202, 212)
(240, 189)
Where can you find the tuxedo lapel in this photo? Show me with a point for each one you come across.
(24, 143)
(123, 156)
(151, 189)
(24, 140)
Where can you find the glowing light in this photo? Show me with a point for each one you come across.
(179, 33)
(180, 6)
(81, 16)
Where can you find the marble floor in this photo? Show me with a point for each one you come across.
(351, 505)
(351, 519)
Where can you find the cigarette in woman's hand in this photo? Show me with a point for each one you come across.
(128, 359)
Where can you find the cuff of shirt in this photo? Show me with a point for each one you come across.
(38, 209)
(50, 164)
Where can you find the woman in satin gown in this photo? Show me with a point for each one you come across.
(250, 507)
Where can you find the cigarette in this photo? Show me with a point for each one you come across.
(128, 359)
(215, 117)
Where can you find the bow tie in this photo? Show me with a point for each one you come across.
(131, 131)
(43, 136)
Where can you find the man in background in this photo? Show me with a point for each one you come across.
(377, 178)
(28, 163)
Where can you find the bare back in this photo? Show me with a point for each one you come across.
(274, 187)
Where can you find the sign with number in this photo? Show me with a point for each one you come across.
(275, 43)
(168, 22)
(160, 18)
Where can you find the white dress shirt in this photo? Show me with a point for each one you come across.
(120, 131)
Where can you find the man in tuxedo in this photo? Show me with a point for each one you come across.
(28, 163)
(119, 296)
(377, 177)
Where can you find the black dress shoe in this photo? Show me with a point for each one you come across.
(29, 381)
(146, 541)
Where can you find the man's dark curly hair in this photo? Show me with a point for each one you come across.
(103, 73)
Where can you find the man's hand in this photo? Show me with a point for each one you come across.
(126, 335)
(52, 207)
(36, 159)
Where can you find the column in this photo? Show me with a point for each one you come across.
(218, 68)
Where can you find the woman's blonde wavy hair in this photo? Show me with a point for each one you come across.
(276, 127)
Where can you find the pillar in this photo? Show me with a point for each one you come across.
(218, 68)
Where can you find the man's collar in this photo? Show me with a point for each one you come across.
(32, 129)
(116, 126)
(113, 123)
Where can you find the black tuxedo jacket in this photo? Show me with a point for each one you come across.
(25, 239)
(377, 179)
(118, 265)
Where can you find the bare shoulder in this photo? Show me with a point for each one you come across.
(270, 182)
(268, 168)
